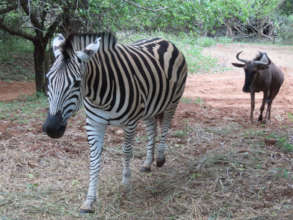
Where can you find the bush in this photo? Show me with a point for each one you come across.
(284, 28)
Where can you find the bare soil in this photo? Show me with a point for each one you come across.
(13, 90)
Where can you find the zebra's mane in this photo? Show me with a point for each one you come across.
(77, 41)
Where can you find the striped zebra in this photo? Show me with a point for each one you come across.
(118, 85)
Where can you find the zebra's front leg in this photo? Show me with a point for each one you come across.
(151, 129)
(129, 133)
(96, 134)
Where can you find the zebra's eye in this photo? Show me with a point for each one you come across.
(76, 84)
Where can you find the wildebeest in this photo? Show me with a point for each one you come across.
(261, 74)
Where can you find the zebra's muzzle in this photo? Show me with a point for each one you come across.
(54, 125)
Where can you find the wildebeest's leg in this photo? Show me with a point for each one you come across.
(129, 133)
(151, 129)
(165, 124)
(268, 112)
(264, 100)
(270, 99)
(96, 140)
(252, 104)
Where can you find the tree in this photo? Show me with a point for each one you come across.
(33, 24)
(37, 21)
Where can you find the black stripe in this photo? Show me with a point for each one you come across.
(161, 51)
(172, 61)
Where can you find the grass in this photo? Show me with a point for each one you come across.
(186, 100)
(13, 51)
(283, 141)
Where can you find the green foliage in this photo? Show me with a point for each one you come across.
(263, 8)
(286, 8)
(174, 15)
(284, 28)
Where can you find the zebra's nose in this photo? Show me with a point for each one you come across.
(54, 126)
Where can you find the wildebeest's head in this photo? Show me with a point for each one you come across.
(252, 68)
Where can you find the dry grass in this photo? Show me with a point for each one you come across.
(218, 171)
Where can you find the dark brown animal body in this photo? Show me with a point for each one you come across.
(261, 74)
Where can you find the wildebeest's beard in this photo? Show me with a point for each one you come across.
(248, 80)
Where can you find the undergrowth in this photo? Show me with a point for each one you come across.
(16, 60)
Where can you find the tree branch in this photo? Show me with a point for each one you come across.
(15, 32)
(34, 20)
(141, 7)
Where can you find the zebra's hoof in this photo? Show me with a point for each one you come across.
(87, 207)
(86, 211)
(160, 162)
(145, 169)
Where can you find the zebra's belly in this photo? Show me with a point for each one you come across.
(124, 117)
(121, 118)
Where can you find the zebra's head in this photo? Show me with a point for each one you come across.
(65, 82)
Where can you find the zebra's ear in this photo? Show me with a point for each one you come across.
(57, 43)
(86, 54)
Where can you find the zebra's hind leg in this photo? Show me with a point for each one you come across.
(129, 133)
(151, 129)
(165, 125)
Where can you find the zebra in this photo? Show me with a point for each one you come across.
(117, 85)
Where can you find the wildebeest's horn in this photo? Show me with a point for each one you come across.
(242, 60)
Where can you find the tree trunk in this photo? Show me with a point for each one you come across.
(39, 61)
(229, 31)
(229, 26)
